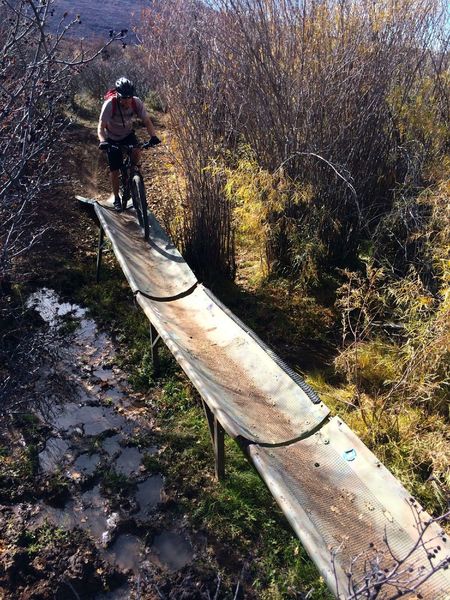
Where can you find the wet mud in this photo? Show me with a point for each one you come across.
(104, 531)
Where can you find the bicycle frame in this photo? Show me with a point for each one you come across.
(132, 184)
(127, 171)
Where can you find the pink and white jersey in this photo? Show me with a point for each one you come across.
(119, 125)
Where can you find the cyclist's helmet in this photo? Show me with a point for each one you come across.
(124, 88)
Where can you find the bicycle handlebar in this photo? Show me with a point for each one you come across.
(153, 141)
(130, 147)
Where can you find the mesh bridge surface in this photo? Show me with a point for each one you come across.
(252, 396)
(347, 508)
(340, 500)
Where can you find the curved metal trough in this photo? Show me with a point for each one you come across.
(340, 500)
(250, 394)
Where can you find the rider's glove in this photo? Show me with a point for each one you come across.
(103, 145)
(154, 141)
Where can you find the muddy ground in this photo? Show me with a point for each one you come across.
(84, 512)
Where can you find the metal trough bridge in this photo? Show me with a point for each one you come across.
(340, 500)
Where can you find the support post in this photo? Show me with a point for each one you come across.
(219, 449)
(218, 441)
(154, 342)
(101, 243)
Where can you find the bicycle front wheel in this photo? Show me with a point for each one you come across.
(140, 203)
(124, 188)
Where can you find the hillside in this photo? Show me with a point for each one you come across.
(97, 17)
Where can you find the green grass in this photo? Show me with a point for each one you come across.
(37, 540)
(239, 512)
(17, 474)
(69, 325)
(57, 487)
(114, 484)
(152, 464)
(141, 439)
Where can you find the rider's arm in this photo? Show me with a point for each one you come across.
(144, 117)
(105, 115)
(149, 125)
(101, 131)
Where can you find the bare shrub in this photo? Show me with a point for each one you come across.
(405, 313)
(381, 573)
(315, 89)
(129, 61)
(396, 340)
(36, 69)
(179, 37)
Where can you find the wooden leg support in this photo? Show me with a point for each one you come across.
(219, 449)
(101, 245)
(154, 341)
(218, 441)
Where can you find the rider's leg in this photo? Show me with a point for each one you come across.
(115, 182)
(115, 188)
(115, 163)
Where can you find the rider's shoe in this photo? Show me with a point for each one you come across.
(125, 199)
(117, 204)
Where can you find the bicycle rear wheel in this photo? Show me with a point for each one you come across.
(140, 203)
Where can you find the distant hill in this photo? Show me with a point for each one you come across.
(98, 17)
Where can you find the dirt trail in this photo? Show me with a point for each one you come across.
(157, 166)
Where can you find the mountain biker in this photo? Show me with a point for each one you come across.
(115, 128)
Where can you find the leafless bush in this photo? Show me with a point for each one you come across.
(115, 62)
(383, 574)
(36, 69)
(316, 89)
(180, 39)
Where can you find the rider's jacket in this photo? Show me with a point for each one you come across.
(118, 122)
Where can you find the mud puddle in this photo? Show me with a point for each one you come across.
(172, 550)
(92, 449)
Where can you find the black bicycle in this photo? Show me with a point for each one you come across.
(132, 186)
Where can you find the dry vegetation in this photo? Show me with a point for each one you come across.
(313, 137)
(36, 73)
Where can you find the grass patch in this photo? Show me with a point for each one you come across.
(69, 325)
(94, 444)
(56, 488)
(238, 513)
(152, 464)
(141, 439)
(115, 484)
(17, 473)
(43, 537)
